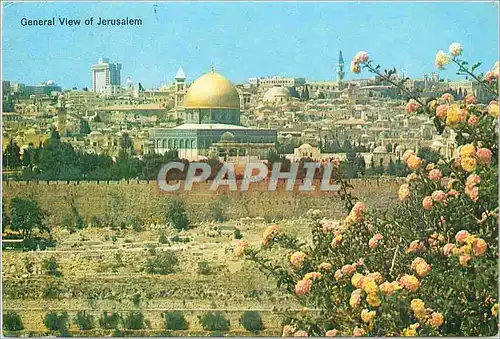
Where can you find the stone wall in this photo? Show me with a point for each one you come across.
(118, 201)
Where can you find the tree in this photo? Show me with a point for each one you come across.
(388, 147)
(52, 267)
(252, 321)
(84, 320)
(12, 321)
(56, 322)
(391, 167)
(26, 216)
(163, 263)
(134, 321)
(11, 157)
(126, 143)
(5, 218)
(214, 321)
(204, 267)
(175, 320)
(176, 214)
(109, 320)
(429, 155)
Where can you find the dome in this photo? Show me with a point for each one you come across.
(380, 149)
(212, 90)
(275, 93)
(227, 136)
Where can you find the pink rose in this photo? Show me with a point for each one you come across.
(470, 99)
(464, 259)
(338, 275)
(472, 193)
(301, 333)
(303, 286)
(447, 97)
(331, 333)
(484, 156)
(438, 196)
(453, 193)
(408, 154)
(461, 236)
(472, 120)
(489, 76)
(448, 248)
(441, 111)
(427, 203)
(435, 175)
(348, 269)
(412, 107)
(479, 246)
(361, 57)
(415, 246)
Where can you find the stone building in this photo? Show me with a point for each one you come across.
(212, 108)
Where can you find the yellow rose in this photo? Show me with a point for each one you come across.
(494, 310)
(414, 162)
(367, 316)
(410, 331)
(468, 164)
(417, 306)
(467, 150)
(436, 320)
(454, 115)
(442, 59)
(356, 280)
(373, 300)
(370, 286)
(493, 109)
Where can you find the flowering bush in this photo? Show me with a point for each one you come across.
(428, 265)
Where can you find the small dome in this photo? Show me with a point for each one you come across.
(305, 146)
(95, 133)
(380, 149)
(227, 136)
(276, 93)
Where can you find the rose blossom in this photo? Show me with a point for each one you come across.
(484, 156)
(479, 246)
(438, 196)
(436, 320)
(361, 57)
(415, 246)
(355, 67)
(358, 332)
(470, 99)
(456, 49)
(407, 154)
(297, 259)
(435, 175)
(442, 59)
(441, 111)
(303, 286)
(239, 250)
(331, 333)
(338, 275)
(448, 248)
(325, 266)
(301, 333)
(472, 193)
(427, 203)
(404, 192)
(348, 269)
(461, 236)
(464, 259)
(409, 282)
(472, 120)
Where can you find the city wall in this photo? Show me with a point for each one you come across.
(124, 200)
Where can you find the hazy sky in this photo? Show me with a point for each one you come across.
(241, 39)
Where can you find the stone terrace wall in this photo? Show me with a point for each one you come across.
(119, 200)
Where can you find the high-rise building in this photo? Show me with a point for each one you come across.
(340, 68)
(105, 74)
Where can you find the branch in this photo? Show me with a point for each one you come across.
(481, 82)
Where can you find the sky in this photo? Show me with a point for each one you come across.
(242, 40)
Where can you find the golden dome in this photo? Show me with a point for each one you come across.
(212, 90)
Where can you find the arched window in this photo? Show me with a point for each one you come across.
(176, 143)
(181, 143)
(170, 143)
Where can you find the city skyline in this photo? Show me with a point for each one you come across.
(304, 43)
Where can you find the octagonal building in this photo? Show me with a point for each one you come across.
(212, 125)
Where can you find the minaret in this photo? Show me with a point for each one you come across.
(340, 68)
(180, 92)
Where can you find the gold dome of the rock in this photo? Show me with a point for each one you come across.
(212, 90)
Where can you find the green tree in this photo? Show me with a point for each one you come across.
(57, 322)
(5, 218)
(252, 321)
(84, 320)
(11, 156)
(26, 216)
(134, 321)
(12, 321)
(162, 263)
(214, 321)
(52, 267)
(109, 320)
(175, 320)
(176, 214)
(429, 155)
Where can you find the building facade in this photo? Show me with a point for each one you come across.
(212, 125)
(105, 74)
